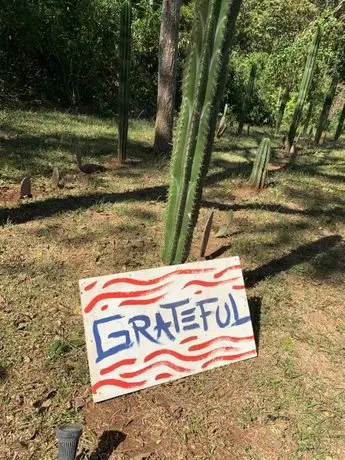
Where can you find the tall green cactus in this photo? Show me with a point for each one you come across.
(258, 175)
(308, 117)
(304, 86)
(282, 107)
(125, 49)
(204, 80)
(327, 104)
(340, 124)
(247, 99)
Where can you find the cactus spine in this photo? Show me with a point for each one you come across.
(282, 108)
(304, 86)
(247, 99)
(340, 124)
(258, 175)
(327, 104)
(125, 49)
(204, 79)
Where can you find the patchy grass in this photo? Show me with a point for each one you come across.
(286, 404)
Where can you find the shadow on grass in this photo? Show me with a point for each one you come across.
(336, 211)
(255, 314)
(108, 443)
(298, 256)
(53, 206)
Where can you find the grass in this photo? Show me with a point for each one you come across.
(287, 404)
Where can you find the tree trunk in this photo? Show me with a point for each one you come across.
(168, 47)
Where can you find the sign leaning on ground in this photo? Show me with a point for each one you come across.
(153, 326)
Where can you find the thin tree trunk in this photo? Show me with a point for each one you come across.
(168, 48)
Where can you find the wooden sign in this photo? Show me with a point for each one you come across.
(153, 326)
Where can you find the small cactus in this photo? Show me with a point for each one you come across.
(281, 111)
(125, 49)
(258, 175)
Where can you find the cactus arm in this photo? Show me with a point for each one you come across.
(258, 176)
(304, 86)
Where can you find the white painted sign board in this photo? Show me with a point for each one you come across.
(153, 326)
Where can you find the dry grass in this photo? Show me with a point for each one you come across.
(288, 403)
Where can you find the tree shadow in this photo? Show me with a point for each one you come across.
(107, 444)
(255, 314)
(3, 374)
(298, 256)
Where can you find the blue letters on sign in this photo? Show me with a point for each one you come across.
(126, 343)
(166, 324)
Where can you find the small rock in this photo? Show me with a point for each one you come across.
(17, 400)
(79, 403)
(27, 359)
(69, 405)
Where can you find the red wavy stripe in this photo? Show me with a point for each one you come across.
(116, 383)
(119, 295)
(233, 267)
(129, 375)
(142, 301)
(181, 357)
(229, 358)
(209, 283)
(90, 286)
(238, 287)
(162, 376)
(124, 362)
(223, 338)
(157, 280)
(189, 339)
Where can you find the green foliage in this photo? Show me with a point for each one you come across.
(326, 108)
(305, 85)
(258, 176)
(125, 50)
(204, 79)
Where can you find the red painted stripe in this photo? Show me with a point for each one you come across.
(233, 267)
(238, 287)
(164, 375)
(229, 358)
(223, 338)
(189, 339)
(120, 295)
(141, 301)
(129, 375)
(209, 283)
(123, 362)
(116, 383)
(198, 292)
(157, 280)
(90, 286)
(181, 357)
